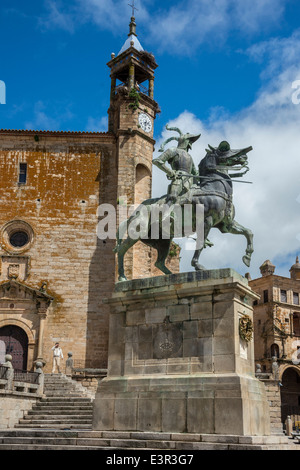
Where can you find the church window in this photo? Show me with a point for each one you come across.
(283, 296)
(274, 350)
(295, 298)
(19, 239)
(266, 296)
(17, 236)
(296, 324)
(22, 173)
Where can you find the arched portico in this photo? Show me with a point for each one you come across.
(290, 392)
(23, 312)
(15, 341)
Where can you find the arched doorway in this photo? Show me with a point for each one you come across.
(142, 184)
(16, 344)
(290, 393)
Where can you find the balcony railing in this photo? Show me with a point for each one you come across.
(3, 372)
(21, 381)
(140, 88)
(26, 376)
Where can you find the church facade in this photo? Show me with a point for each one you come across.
(55, 269)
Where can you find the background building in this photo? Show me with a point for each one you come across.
(277, 331)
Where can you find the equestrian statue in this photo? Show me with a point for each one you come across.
(211, 186)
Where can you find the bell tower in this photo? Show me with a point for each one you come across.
(132, 113)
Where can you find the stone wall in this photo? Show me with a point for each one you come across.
(69, 175)
(274, 400)
(177, 360)
(13, 407)
(59, 202)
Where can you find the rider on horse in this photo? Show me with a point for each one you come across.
(181, 162)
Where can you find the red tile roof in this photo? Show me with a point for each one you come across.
(35, 132)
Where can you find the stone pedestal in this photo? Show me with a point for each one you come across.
(177, 361)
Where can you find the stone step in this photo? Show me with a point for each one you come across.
(60, 411)
(63, 405)
(61, 383)
(56, 377)
(65, 400)
(66, 405)
(56, 426)
(53, 447)
(51, 387)
(58, 420)
(93, 440)
(55, 415)
(56, 392)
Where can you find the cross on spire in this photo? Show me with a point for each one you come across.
(133, 7)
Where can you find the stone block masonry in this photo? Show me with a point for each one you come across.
(68, 177)
(177, 362)
(13, 407)
(65, 177)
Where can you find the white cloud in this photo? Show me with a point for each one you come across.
(185, 26)
(43, 121)
(57, 17)
(277, 54)
(269, 206)
(180, 28)
(109, 15)
(252, 16)
(97, 124)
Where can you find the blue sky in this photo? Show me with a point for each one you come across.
(226, 69)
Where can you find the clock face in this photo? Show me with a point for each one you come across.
(145, 122)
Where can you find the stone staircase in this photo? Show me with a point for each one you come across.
(66, 405)
(155, 443)
(62, 420)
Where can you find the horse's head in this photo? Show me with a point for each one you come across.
(229, 158)
(224, 158)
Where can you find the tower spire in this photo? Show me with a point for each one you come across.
(132, 24)
(133, 8)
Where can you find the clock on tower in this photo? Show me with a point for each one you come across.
(145, 122)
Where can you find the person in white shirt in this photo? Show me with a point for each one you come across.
(57, 356)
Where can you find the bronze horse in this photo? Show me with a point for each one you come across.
(213, 189)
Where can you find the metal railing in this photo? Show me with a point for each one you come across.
(3, 372)
(141, 88)
(26, 376)
(21, 381)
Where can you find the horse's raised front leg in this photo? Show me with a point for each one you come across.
(236, 229)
